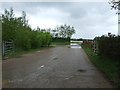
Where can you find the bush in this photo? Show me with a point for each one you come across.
(109, 46)
(61, 40)
(18, 30)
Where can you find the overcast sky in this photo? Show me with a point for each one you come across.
(90, 19)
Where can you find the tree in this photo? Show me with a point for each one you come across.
(8, 22)
(18, 30)
(24, 20)
(66, 31)
(115, 4)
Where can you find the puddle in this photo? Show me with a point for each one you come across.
(81, 70)
(77, 41)
(75, 46)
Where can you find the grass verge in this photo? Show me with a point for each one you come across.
(107, 66)
(19, 52)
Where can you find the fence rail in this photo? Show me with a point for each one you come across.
(7, 47)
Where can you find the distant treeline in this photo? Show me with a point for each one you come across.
(60, 39)
(80, 39)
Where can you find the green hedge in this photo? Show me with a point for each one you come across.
(61, 40)
(18, 30)
(109, 46)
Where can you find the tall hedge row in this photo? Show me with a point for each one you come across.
(109, 46)
(18, 30)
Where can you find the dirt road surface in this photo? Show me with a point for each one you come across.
(58, 67)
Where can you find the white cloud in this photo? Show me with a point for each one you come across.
(42, 22)
(47, 18)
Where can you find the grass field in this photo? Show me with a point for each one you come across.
(107, 66)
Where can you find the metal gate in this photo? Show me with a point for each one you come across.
(7, 48)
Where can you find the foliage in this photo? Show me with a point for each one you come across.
(106, 65)
(60, 40)
(109, 46)
(63, 32)
(115, 4)
(60, 43)
(18, 30)
(88, 43)
(66, 31)
(80, 39)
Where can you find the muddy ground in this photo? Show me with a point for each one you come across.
(58, 67)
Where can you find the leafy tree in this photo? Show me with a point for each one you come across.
(115, 4)
(8, 22)
(24, 20)
(66, 31)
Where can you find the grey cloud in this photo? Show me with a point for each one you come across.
(76, 10)
(89, 18)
